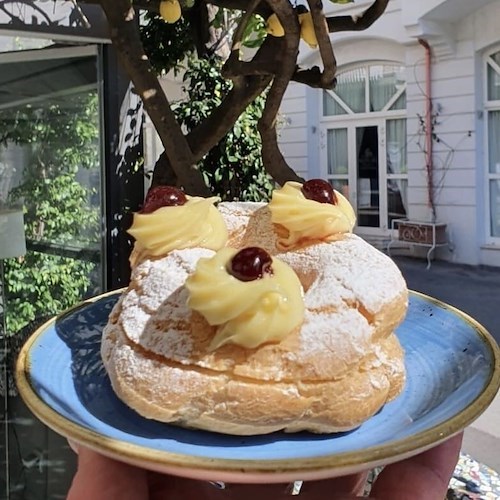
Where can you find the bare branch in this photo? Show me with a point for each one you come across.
(263, 62)
(208, 133)
(360, 22)
(325, 45)
(313, 77)
(240, 30)
(272, 157)
(199, 26)
(246, 88)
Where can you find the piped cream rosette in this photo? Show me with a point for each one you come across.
(306, 220)
(247, 313)
(197, 223)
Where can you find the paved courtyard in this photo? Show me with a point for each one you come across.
(474, 290)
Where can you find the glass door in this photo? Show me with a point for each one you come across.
(50, 168)
(396, 170)
(338, 159)
(367, 176)
(367, 163)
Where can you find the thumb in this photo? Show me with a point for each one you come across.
(101, 478)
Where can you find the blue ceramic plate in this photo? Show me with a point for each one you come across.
(453, 375)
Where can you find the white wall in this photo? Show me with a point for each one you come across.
(453, 93)
(293, 128)
(481, 28)
(459, 158)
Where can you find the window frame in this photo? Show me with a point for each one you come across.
(349, 112)
(489, 106)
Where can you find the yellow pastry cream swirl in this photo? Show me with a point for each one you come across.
(247, 313)
(197, 223)
(307, 220)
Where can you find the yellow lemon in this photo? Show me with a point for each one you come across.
(274, 27)
(170, 10)
(307, 32)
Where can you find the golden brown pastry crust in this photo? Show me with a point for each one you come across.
(331, 375)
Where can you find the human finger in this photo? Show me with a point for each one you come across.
(337, 488)
(334, 489)
(423, 476)
(101, 478)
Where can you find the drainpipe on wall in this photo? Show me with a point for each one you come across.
(428, 127)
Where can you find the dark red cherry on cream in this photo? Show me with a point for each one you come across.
(163, 196)
(319, 190)
(250, 264)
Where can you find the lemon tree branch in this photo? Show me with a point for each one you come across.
(360, 22)
(272, 67)
(325, 47)
(272, 157)
(208, 133)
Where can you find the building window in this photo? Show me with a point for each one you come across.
(367, 89)
(492, 106)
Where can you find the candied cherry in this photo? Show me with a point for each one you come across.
(250, 263)
(163, 196)
(319, 190)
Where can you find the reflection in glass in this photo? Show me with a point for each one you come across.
(337, 151)
(50, 166)
(342, 186)
(396, 165)
(396, 147)
(493, 81)
(385, 83)
(368, 208)
(397, 199)
(495, 208)
(15, 43)
(51, 155)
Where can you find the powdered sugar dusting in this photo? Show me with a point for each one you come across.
(250, 224)
(236, 214)
(349, 269)
(157, 298)
(342, 280)
(344, 331)
(133, 366)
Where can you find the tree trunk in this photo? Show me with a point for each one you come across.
(126, 40)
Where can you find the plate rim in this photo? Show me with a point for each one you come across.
(158, 459)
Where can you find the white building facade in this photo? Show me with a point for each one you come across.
(412, 129)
